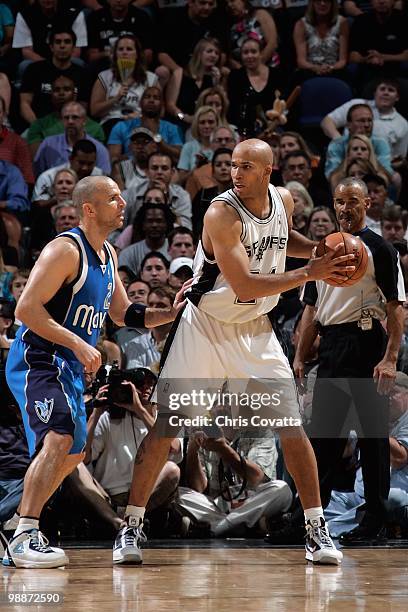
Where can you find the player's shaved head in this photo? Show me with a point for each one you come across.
(88, 190)
(255, 150)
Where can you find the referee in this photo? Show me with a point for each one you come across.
(355, 348)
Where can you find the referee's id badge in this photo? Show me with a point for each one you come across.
(365, 322)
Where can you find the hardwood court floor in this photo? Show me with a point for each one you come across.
(220, 579)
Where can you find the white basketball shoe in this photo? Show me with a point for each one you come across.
(319, 545)
(126, 549)
(30, 549)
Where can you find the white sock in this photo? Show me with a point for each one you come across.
(134, 515)
(314, 513)
(25, 523)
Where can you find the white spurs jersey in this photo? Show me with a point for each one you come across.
(265, 241)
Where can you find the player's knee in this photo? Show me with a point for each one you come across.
(172, 473)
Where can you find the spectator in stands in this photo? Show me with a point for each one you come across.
(359, 121)
(198, 151)
(56, 150)
(221, 174)
(14, 149)
(13, 191)
(297, 166)
(65, 217)
(117, 91)
(303, 205)
(138, 292)
(6, 36)
(322, 222)
(62, 91)
(113, 439)
(35, 22)
(105, 25)
(252, 23)
(251, 87)
(202, 177)
(293, 141)
(358, 168)
(6, 323)
(159, 173)
(129, 172)
(378, 42)
(82, 161)
(231, 482)
(6, 270)
(181, 243)
(180, 271)
(9, 256)
(154, 195)
(321, 41)
(359, 147)
(164, 133)
(35, 91)
(217, 98)
(151, 225)
(394, 223)
(197, 20)
(154, 270)
(202, 72)
(388, 123)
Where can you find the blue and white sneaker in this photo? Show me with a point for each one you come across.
(126, 549)
(30, 549)
(319, 545)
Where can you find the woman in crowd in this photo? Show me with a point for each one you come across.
(303, 205)
(254, 23)
(63, 185)
(321, 41)
(251, 89)
(359, 147)
(198, 151)
(202, 72)
(117, 91)
(358, 168)
(322, 222)
(293, 141)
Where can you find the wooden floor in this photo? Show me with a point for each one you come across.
(220, 579)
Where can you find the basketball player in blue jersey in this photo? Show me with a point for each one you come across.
(224, 331)
(72, 287)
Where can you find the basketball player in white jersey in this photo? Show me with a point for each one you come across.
(224, 331)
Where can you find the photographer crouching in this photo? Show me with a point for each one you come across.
(121, 418)
(232, 487)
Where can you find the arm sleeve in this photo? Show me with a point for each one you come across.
(383, 153)
(309, 294)
(185, 161)
(6, 16)
(116, 136)
(24, 160)
(182, 209)
(334, 156)
(172, 135)
(100, 434)
(387, 272)
(22, 34)
(43, 187)
(102, 157)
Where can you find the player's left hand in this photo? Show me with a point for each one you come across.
(384, 375)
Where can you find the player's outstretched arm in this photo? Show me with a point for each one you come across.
(222, 230)
(57, 265)
(123, 312)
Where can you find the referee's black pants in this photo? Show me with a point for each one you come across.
(345, 398)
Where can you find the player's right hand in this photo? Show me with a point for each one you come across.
(89, 356)
(330, 265)
(299, 371)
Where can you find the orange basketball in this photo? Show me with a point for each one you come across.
(351, 245)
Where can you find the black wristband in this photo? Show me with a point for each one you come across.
(135, 316)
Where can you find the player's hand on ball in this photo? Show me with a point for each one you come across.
(330, 265)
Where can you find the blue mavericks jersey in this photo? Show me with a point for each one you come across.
(82, 305)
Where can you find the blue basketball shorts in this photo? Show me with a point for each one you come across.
(49, 391)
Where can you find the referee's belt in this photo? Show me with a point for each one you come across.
(352, 327)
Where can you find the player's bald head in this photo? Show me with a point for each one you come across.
(89, 189)
(254, 150)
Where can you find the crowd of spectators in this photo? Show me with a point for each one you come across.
(156, 95)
